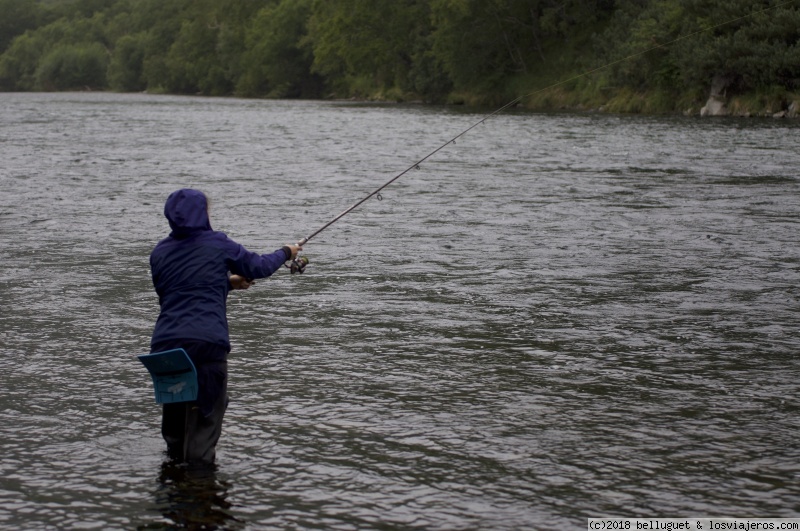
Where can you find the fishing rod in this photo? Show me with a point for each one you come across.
(414, 166)
(299, 264)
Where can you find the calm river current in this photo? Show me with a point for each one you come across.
(559, 316)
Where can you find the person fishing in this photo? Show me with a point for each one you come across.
(193, 269)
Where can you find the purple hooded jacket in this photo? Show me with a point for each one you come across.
(190, 272)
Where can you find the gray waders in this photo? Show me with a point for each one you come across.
(191, 436)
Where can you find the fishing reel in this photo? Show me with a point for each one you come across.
(298, 265)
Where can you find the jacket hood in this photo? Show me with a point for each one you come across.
(187, 212)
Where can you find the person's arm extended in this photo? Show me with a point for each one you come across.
(251, 265)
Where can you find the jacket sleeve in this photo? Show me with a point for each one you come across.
(253, 265)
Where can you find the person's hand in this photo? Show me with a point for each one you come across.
(294, 249)
(239, 282)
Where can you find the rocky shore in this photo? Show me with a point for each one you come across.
(721, 104)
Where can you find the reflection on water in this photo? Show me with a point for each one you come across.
(192, 497)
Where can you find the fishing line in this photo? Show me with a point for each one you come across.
(298, 266)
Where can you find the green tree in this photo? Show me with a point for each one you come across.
(483, 44)
(160, 22)
(485, 51)
(71, 67)
(87, 8)
(126, 68)
(680, 46)
(643, 55)
(20, 64)
(754, 44)
(475, 44)
(278, 58)
(18, 17)
(191, 60)
(206, 53)
(362, 46)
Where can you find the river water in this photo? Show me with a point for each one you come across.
(559, 316)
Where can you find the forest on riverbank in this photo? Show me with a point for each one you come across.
(648, 56)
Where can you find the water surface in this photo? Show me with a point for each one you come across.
(559, 316)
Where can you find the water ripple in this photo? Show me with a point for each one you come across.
(559, 317)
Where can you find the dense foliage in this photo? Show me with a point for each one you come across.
(474, 51)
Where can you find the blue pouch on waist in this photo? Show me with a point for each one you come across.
(174, 375)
